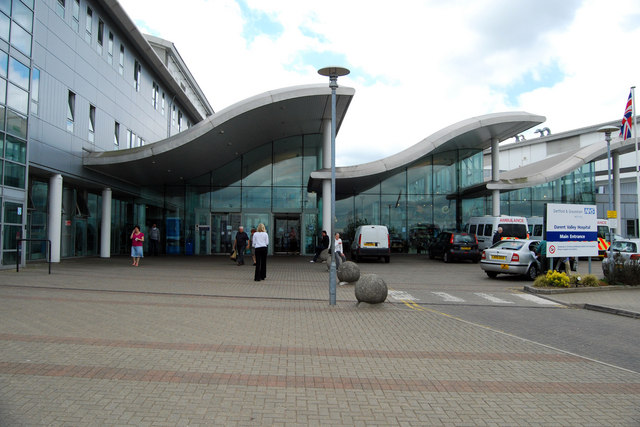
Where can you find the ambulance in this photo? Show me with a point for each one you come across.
(513, 227)
(603, 235)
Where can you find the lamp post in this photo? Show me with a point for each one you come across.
(607, 136)
(333, 73)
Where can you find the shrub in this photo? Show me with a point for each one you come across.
(626, 273)
(589, 280)
(552, 279)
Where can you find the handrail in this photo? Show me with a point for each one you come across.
(18, 257)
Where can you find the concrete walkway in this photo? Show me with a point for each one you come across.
(195, 341)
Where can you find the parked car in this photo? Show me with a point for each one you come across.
(371, 241)
(398, 244)
(455, 245)
(511, 257)
(628, 250)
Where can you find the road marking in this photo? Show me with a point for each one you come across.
(402, 296)
(538, 300)
(448, 297)
(493, 298)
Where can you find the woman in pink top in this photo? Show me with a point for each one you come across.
(137, 239)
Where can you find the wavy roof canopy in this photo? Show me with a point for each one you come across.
(555, 167)
(224, 136)
(473, 133)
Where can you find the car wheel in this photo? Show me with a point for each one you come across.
(432, 255)
(447, 257)
(354, 257)
(492, 274)
(532, 273)
(476, 260)
(387, 259)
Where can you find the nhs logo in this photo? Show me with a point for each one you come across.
(589, 211)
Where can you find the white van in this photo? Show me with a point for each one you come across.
(513, 227)
(536, 227)
(371, 241)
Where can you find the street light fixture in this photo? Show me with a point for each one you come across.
(333, 73)
(607, 136)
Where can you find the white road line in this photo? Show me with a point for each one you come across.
(493, 299)
(448, 297)
(538, 300)
(402, 296)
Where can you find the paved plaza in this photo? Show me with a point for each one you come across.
(195, 341)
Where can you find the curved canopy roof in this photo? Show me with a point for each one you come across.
(224, 136)
(473, 133)
(555, 167)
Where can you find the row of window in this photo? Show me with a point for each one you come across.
(157, 100)
(17, 31)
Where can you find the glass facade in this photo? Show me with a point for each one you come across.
(16, 27)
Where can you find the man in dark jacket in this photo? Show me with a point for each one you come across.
(240, 244)
(497, 236)
(324, 244)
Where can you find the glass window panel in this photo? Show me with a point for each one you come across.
(256, 167)
(35, 90)
(18, 73)
(4, 61)
(5, 25)
(3, 92)
(28, 3)
(15, 149)
(287, 161)
(312, 155)
(16, 124)
(309, 200)
(23, 15)
(10, 239)
(367, 208)
(1, 148)
(256, 198)
(5, 6)
(287, 198)
(21, 39)
(227, 198)
(419, 177)
(14, 175)
(395, 184)
(13, 213)
(17, 98)
(2, 109)
(227, 175)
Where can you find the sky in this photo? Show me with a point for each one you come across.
(417, 66)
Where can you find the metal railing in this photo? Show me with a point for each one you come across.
(19, 257)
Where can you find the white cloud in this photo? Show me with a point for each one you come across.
(418, 66)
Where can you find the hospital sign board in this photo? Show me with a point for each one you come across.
(572, 230)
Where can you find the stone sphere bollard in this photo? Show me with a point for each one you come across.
(348, 272)
(371, 288)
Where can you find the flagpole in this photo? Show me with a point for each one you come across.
(634, 129)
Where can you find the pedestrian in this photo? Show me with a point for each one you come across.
(253, 251)
(324, 244)
(137, 239)
(337, 244)
(240, 245)
(260, 242)
(154, 240)
(542, 255)
(497, 236)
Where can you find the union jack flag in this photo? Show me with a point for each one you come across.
(625, 127)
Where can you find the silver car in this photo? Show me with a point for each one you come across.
(626, 250)
(516, 256)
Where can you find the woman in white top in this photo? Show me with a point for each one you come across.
(337, 244)
(260, 242)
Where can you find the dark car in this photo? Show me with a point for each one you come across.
(397, 243)
(455, 245)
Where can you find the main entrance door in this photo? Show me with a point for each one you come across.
(286, 237)
(223, 229)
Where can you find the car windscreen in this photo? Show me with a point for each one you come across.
(623, 246)
(514, 230)
(510, 245)
(464, 238)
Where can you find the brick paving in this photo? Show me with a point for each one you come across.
(194, 341)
